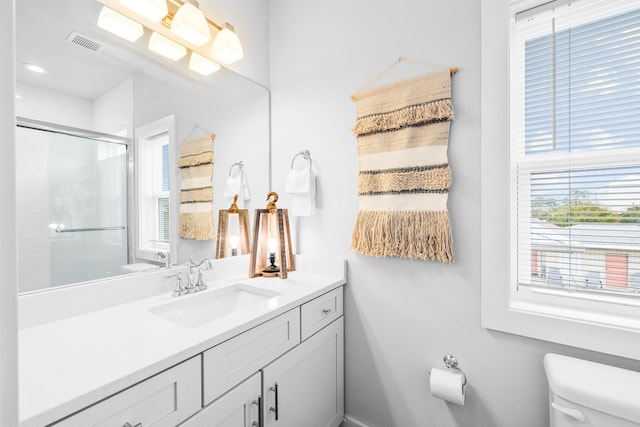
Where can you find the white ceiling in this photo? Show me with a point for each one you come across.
(41, 30)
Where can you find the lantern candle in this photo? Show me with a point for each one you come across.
(271, 252)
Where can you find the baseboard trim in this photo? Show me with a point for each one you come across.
(352, 422)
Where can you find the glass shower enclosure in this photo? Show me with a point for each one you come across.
(72, 201)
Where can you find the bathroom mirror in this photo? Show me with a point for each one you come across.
(78, 144)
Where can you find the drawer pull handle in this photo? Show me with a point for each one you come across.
(258, 402)
(128, 424)
(274, 389)
(326, 311)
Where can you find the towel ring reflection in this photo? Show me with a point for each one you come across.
(239, 164)
(305, 154)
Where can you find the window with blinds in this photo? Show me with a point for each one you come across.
(575, 153)
(153, 193)
(163, 196)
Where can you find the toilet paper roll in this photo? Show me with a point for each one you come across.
(447, 385)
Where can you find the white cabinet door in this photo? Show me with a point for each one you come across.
(305, 387)
(240, 407)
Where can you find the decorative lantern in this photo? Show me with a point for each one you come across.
(233, 231)
(271, 252)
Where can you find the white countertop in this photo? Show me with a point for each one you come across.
(68, 364)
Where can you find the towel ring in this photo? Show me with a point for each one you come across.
(239, 164)
(305, 154)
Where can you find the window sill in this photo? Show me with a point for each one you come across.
(598, 332)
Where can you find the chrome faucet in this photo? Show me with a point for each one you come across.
(164, 256)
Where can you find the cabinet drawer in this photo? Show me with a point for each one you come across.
(234, 360)
(319, 312)
(163, 400)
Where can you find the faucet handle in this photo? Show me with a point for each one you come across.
(179, 290)
(201, 285)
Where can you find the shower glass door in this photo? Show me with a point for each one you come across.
(72, 208)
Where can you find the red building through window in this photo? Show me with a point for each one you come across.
(617, 270)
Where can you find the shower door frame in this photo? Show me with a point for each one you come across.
(100, 137)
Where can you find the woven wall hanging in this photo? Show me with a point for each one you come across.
(403, 133)
(196, 192)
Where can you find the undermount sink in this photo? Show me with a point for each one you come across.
(198, 309)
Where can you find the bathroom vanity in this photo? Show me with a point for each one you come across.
(245, 352)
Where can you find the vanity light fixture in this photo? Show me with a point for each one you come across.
(166, 47)
(226, 46)
(271, 251)
(177, 27)
(233, 231)
(119, 24)
(190, 24)
(202, 65)
(153, 10)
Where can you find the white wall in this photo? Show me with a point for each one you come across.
(54, 107)
(402, 316)
(112, 112)
(8, 267)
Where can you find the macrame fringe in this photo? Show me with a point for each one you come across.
(415, 235)
(195, 160)
(197, 226)
(413, 115)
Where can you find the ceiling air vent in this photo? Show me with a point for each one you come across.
(84, 41)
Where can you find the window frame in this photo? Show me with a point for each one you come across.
(145, 248)
(584, 322)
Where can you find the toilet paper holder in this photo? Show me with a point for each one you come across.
(451, 362)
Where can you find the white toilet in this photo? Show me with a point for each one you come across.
(583, 393)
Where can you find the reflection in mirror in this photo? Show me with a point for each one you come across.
(233, 230)
(91, 125)
(72, 202)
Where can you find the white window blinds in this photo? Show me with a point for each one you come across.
(575, 153)
(163, 198)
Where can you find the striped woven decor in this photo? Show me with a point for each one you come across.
(196, 192)
(403, 133)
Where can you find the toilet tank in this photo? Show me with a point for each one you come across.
(586, 394)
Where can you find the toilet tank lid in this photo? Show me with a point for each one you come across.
(605, 388)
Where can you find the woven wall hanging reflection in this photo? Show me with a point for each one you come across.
(403, 185)
(196, 192)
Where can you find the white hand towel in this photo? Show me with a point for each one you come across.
(301, 186)
(237, 185)
(298, 181)
(246, 195)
